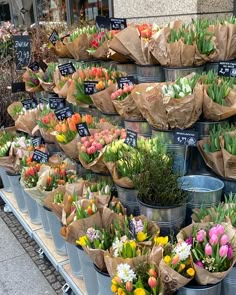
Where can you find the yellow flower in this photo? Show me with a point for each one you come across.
(181, 267)
(191, 272)
(82, 241)
(132, 244)
(141, 236)
(61, 138)
(121, 292)
(167, 259)
(161, 241)
(113, 288)
(139, 291)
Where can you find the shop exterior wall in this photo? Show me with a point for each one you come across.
(164, 11)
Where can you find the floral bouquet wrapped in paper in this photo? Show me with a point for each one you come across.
(212, 249)
(59, 47)
(46, 78)
(15, 109)
(7, 159)
(32, 83)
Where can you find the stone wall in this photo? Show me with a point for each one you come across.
(163, 11)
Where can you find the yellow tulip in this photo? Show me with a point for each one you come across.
(167, 259)
(113, 288)
(191, 272)
(82, 241)
(139, 291)
(60, 138)
(161, 241)
(181, 267)
(121, 292)
(132, 244)
(141, 236)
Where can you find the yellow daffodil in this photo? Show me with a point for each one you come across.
(139, 291)
(82, 241)
(132, 244)
(161, 241)
(181, 267)
(141, 236)
(113, 288)
(167, 259)
(191, 272)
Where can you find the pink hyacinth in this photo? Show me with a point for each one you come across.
(201, 235)
(223, 251)
(224, 240)
(208, 249)
(214, 240)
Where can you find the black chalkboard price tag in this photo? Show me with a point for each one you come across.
(63, 113)
(227, 69)
(188, 138)
(53, 37)
(118, 23)
(17, 87)
(123, 81)
(34, 66)
(29, 104)
(37, 141)
(43, 66)
(131, 138)
(83, 129)
(22, 51)
(90, 87)
(40, 157)
(103, 22)
(56, 103)
(67, 69)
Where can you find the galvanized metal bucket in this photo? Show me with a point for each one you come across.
(109, 64)
(181, 157)
(45, 222)
(115, 119)
(14, 180)
(129, 68)
(140, 126)
(200, 290)
(212, 66)
(74, 260)
(52, 148)
(164, 136)
(5, 180)
(150, 73)
(89, 273)
(169, 219)
(128, 198)
(228, 285)
(32, 209)
(203, 190)
(229, 186)
(198, 165)
(55, 227)
(104, 282)
(90, 110)
(203, 128)
(172, 74)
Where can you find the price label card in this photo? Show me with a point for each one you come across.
(67, 69)
(53, 37)
(227, 69)
(90, 87)
(63, 37)
(131, 138)
(123, 81)
(118, 23)
(29, 104)
(189, 138)
(56, 103)
(103, 22)
(22, 51)
(83, 129)
(37, 141)
(18, 87)
(34, 66)
(43, 66)
(40, 157)
(63, 113)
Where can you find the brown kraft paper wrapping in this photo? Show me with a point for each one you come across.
(101, 52)
(202, 276)
(64, 90)
(216, 112)
(61, 50)
(27, 122)
(47, 86)
(102, 100)
(127, 108)
(47, 136)
(8, 163)
(70, 148)
(212, 160)
(11, 107)
(231, 46)
(97, 256)
(121, 181)
(229, 160)
(201, 59)
(55, 207)
(171, 279)
(78, 47)
(221, 34)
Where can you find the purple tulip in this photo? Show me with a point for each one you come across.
(189, 240)
(199, 263)
(223, 251)
(230, 253)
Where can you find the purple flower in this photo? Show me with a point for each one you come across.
(230, 253)
(199, 263)
(189, 240)
(93, 234)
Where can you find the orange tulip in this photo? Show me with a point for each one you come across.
(72, 126)
(58, 128)
(64, 128)
(88, 119)
(76, 118)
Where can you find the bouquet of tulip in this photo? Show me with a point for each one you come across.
(46, 79)
(62, 85)
(15, 109)
(7, 158)
(32, 83)
(138, 280)
(176, 268)
(79, 42)
(59, 48)
(212, 249)
(91, 148)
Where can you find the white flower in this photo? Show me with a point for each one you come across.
(117, 246)
(182, 250)
(125, 273)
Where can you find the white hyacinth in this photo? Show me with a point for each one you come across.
(125, 273)
(182, 250)
(117, 246)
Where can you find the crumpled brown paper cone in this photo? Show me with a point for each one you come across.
(11, 107)
(47, 86)
(28, 121)
(78, 47)
(61, 50)
(121, 181)
(70, 148)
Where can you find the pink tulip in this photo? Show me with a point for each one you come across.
(213, 231)
(208, 249)
(201, 235)
(230, 253)
(119, 92)
(129, 286)
(220, 229)
(99, 146)
(224, 240)
(214, 240)
(92, 149)
(152, 282)
(223, 251)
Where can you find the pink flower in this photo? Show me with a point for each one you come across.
(199, 263)
(201, 235)
(213, 231)
(189, 240)
(220, 229)
(214, 240)
(152, 282)
(208, 249)
(223, 251)
(230, 253)
(113, 96)
(224, 240)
